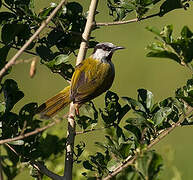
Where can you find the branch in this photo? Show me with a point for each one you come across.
(40, 167)
(43, 169)
(71, 122)
(43, 25)
(91, 130)
(22, 136)
(131, 159)
(87, 31)
(125, 22)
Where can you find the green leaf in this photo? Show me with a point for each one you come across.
(136, 105)
(3, 54)
(46, 12)
(169, 5)
(149, 165)
(45, 53)
(17, 142)
(9, 2)
(88, 165)
(146, 98)
(12, 94)
(164, 54)
(74, 8)
(186, 32)
(161, 115)
(80, 148)
(134, 130)
(11, 31)
(62, 58)
(0, 3)
(6, 16)
(166, 33)
(112, 164)
(2, 107)
(154, 30)
(125, 150)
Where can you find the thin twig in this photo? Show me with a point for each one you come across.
(43, 169)
(131, 160)
(91, 130)
(125, 22)
(71, 122)
(40, 167)
(14, 47)
(34, 36)
(11, 9)
(22, 136)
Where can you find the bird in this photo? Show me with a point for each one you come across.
(92, 77)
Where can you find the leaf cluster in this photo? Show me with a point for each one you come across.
(119, 9)
(149, 120)
(38, 146)
(177, 49)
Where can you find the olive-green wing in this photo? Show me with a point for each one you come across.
(86, 81)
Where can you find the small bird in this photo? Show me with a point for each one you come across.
(93, 76)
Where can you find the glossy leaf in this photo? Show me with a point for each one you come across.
(161, 115)
(6, 16)
(136, 105)
(17, 143)
(154, 30)
(145, 97)
(149, 165)
(135, 130)
(3, 54)
(169, 5)
(88, 165)
(12, 94)
(15, 32)
(164, 54)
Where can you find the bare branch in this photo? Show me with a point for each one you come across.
(125, 22)
(43, 25)
(87, 31)
(22, 136)
(71, 123)
(131, 160)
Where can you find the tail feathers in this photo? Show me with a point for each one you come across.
(55, 104)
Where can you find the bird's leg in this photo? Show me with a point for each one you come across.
(77, 106)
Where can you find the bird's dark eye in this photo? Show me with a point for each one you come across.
(106, 48)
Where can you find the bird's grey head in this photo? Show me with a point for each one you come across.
(104, 51)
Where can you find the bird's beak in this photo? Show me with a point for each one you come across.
(118, 47)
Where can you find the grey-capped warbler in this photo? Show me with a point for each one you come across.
(93, 76)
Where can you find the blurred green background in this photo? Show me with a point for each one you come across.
(133, 71)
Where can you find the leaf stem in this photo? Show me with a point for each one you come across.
(125, 22)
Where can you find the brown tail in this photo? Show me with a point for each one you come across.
(55, 104)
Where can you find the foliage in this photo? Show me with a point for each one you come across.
(119, 9)
(128, 136)
(179, 49)
(62, 38)
(138, 132)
